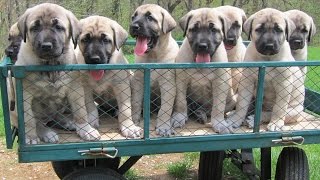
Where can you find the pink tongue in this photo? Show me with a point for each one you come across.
(141, 46)
(97, 74)
(228, 47)
(202, 58)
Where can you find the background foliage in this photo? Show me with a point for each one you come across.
(121, 10)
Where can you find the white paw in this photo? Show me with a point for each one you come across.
(131, 131)
(93, 119)
(164, 129)
(32, 139)
(50, 136)
(276, 126)
(249, 121)
(234, 121)
(70, 125)
(222, 127)
(87, 132)
(178, 120)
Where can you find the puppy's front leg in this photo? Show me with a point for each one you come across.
(283, 88)
(76, 99)
(92, 109)
(180, 114)
(245, 94)
(220, 90)
(168, 93)
(127, 127)
(29, 119)
(137, 95)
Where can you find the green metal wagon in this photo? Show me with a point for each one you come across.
(73, 157)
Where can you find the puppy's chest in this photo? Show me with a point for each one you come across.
(201, 77)
(48, 84)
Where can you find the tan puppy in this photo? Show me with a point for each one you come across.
(204, 29)
(233, 42)
(47, 30)
(269, 30)
(14, 39)
(152, 25)
(301, 35)
(100, 41)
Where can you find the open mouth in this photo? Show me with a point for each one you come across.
(203, 58)
(228, 46)
(144, 44)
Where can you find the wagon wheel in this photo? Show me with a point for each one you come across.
(94, 174)
(63, 168)
(210, 165)
(292, 164)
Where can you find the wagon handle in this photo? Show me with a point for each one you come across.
(296, 140)
(100, 152)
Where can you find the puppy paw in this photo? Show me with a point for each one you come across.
(201, 116)
(93, 120)
(276, 126)
(130, 130)
(50, 136)
(234, 121)
(222, 127)
(164, 130)
(87, 132)
(136, 118)
(249, 122)
(178, 120)
(32, 139)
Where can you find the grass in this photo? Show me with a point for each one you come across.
(180, 170)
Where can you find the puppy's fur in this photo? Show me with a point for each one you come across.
(47, 30)
(100, 42)
(269, 30)
(14, 39)
(152, 26)
(233, 42)
(205, 30)
(301, 35)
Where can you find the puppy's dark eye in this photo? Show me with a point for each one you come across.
(150, 18)
(278, 29)
(60, 28)
(212, 28)
(86, 38)
(304, 31)
(106, 40)
(35, 28)
(259, 30)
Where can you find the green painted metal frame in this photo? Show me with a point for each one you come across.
(147, 145)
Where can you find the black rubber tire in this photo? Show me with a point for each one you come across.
(94, 174)
(211, 165)
(63, 168)
(292, 164)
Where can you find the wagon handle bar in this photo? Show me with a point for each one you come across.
(99, 152)
(296, 140)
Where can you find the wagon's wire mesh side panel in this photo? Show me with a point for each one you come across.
(114, 100)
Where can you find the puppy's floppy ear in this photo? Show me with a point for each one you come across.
(120, 35)
(226, 24)
(14, 30)
(290, 26)
(168, 23)
(74, 28)
(243, 15)
(247, 26)
(22, 25)
(312, 30)
(184, 22)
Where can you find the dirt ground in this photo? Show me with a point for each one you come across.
(148, 167)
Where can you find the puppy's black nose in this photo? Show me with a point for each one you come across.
(46, 46)
(269, 46)
(135, 26)
(95, 59)
(203, 46)
(9, 51)
(297, 42)
(232, 41)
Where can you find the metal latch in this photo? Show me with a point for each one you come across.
(109, 152)
(296, 140)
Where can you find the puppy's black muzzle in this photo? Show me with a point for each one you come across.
(296, 43)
